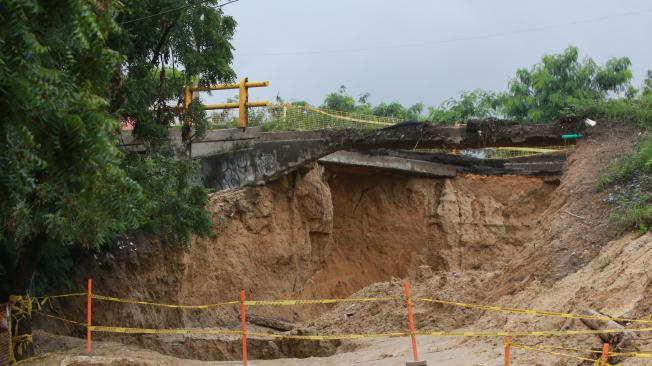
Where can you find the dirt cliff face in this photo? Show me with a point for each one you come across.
(387, 225)
(321, 234)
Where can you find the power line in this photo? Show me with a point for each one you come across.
(452, 40)
(173, 10)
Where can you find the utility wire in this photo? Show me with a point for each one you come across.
(452, 40)
(175, 9)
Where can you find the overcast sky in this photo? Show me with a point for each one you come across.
(423, 50)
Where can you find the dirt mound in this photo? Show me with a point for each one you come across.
(576, 225)
(384, 317)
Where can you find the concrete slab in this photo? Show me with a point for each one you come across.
(390, 163)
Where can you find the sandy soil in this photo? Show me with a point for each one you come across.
(390, 351)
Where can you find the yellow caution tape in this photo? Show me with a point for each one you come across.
(632, 354)
(534, 349)
(533, 312)
(530, 149)
(73, 294)
(532, 333)
(323, 301)
(100, 328)
(561, 348)
(329, 337)
(127, 301)
(60, 318)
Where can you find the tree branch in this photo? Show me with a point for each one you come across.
(162, 40)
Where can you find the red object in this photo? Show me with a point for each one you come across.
(128, 124)
(605, 354)
(408, 297)
(508, 346)
(244, 327)
(88, 315)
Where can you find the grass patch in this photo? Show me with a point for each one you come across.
(631, 179)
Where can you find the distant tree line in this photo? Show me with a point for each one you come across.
(558, 86)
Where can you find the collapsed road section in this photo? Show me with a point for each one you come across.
(250, 158)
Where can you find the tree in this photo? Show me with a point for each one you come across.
(560, 82)
(647, 83)
(343, 102)
(68, 74)
(61, 180)
(474, 104)
(162, 54)
(340, 101)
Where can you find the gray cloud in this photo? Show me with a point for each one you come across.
(307, 49)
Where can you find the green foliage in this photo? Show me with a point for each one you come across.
(343, 102)
(174, 202)
(200, 121)
(61, 183)
(474, 104)
(68, 74)
(340, 101)
(560, 82)
(630, 166)
(631, 178)
(561, 85)
(634, 208)
(161, 55)
(647, 83)
(638, 110)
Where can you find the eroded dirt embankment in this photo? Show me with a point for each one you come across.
(334, 232)
(321, 233)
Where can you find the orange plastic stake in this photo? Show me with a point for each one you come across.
(88, 314)
(244, 327)
(605, 354)
(408, 297)
(508, 346)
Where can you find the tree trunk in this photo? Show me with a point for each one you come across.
(21, 306)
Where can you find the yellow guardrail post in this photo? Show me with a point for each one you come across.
(243, 98)
(187, 98)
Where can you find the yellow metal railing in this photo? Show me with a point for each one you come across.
(243, 98)
(288, 117)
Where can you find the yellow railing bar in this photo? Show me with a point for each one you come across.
(249, 84)
(236, 105)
